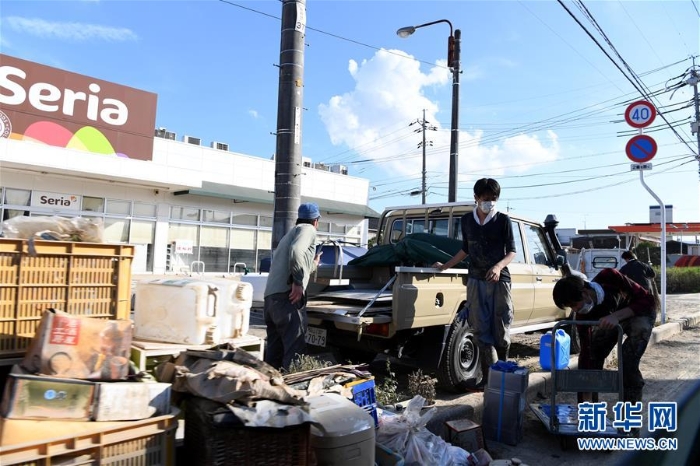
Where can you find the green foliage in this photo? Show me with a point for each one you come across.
(423, 385)
(305, 362)
(679, 279)
(387, 390)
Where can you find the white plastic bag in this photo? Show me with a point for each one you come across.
(407, 435)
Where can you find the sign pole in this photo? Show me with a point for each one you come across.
(663, 245)
(640, 150)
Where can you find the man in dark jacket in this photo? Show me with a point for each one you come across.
(638, 271)
(610, 298)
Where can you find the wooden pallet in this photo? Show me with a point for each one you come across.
(145, 353)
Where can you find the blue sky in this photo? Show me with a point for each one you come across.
(541, 106)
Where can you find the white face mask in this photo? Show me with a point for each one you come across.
(487, 206)
(586, 308)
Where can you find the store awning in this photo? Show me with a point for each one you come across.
(241, 194)
(655, 228)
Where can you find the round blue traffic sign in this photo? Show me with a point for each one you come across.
(641, 148)
(640, 114)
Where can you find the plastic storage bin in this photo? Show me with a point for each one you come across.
(85, 279)
(192, 311)
(364, 395)
(149, 442)
(561, 350)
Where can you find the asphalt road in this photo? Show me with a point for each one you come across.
(670, 367)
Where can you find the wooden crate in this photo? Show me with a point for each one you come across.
(84, 279)
(147, 354)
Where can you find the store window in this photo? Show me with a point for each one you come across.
(93, 204)
(142, 235)
(245, 219)
(265, 221)
(183, 233)
(215, 216)
(242, 249)
(324, 227)
(184, 213)
(337, 229)
(15, 198)
(264, 247)
(213, 250)
(118, 207)
(142, 209)
(116, 230)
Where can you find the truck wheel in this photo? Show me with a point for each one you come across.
(459, 369)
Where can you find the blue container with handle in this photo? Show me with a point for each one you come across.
(562, 343)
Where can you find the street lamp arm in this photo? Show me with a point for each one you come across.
(408, 30)
(435, 22)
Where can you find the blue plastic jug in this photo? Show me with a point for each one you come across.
(561, 350)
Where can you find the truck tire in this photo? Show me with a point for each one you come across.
(460, 369)
(574, 345)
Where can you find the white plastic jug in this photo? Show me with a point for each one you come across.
(192, 311)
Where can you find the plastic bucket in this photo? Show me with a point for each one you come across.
(561, 350)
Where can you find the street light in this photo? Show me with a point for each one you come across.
(453, 51)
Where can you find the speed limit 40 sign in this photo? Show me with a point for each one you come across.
(640, 114)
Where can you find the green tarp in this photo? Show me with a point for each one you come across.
(416, 250)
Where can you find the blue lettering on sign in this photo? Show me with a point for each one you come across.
(662, 416)
(591, 417)
(628, 415)
(641, 114)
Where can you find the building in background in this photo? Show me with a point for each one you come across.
(72, 145)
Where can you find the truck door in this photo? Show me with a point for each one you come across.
(522, 280)
(544, 274)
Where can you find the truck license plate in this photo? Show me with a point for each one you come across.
(316, 336)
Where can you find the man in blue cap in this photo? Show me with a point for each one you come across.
(285, 293)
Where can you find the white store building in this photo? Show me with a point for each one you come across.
(177, 201)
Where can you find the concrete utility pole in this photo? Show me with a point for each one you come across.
(289, 106)
(423, 128)
(454, 57)
(695, 126)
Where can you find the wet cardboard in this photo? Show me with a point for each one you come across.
(80, 347)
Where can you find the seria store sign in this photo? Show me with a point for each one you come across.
(42, 104)
(56, 201)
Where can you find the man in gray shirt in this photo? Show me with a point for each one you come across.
(285, 293)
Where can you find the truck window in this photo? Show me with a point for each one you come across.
(439, 227)
(537, 246)
(604, 262)
(519, 249)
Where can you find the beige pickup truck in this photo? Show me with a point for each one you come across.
(410, 310)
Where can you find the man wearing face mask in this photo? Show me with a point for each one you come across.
(487, 241)
(610, 298)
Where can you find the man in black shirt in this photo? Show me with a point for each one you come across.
(487, 240)
(638, 271)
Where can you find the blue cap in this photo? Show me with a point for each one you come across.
(309, 211)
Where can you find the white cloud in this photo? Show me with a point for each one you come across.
(253, 113)
(69, 31)
(372, 119)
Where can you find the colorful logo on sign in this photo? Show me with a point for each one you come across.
(87, 138)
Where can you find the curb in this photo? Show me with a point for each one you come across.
(539, 382)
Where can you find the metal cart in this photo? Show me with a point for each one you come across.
(565, 421)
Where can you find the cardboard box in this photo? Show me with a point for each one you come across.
(502, 419)
(510, 381)
(80, 347)
(29, 396)
(128, 401)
